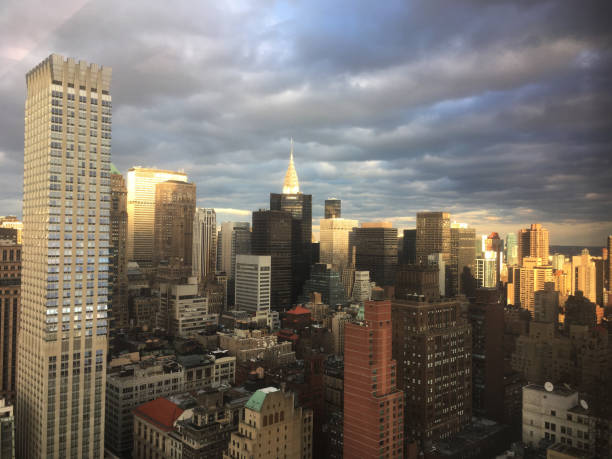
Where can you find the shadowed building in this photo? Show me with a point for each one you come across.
(433, 347)
(373, 405)
(463, 240)
(118, 251)
(333, 208)
(409, 249)
(271, 236)
(204, 244)
(376, 251)
(174, 210)
(299, 206)
(10, 295)
(417, 280)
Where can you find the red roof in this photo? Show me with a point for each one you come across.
(299, 310)
(161, 412)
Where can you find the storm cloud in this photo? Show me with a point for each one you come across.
(496, 111)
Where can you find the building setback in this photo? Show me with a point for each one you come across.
(433, 348)
(373, 405)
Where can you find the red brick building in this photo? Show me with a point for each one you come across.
(373, 406)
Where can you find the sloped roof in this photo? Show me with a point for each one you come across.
(160, 412)
(257, 399)
(299, 310)
(114, 170)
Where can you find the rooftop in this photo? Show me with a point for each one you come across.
(257, 399)
(160, 412)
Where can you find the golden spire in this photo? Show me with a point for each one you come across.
(291, 184)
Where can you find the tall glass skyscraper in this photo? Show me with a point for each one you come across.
(62, 340)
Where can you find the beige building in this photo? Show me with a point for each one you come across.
(335, 241)
(583, 276)
(533, 242)
(257, 345)
(62, 339)
(433, 235)
(524, 281)
(141, 183)
(11, 223)
(204, 243)
(338, 321)
(272, 427)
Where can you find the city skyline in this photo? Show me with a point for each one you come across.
(431, 108)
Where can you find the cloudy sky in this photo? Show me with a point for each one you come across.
(497, 111)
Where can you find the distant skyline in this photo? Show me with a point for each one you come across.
(498, 112)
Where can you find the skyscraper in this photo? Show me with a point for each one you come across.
(433, 235)
(511, 249)
(272, 236)
(253, 281)
(376, 251)
(373, 405)
(175, 203)
(10, 295)
(204, 243)
(235, 238)
(533, 242)
(335, 246)
(141, 184)
(333, 208)
(118, 252)
(409, 250)
(62, 341)
(583, 276)
(432, 344)
(462, 258)
(299, 205)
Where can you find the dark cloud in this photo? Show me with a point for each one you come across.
(498, 111)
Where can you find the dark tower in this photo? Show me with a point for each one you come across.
(333, 208)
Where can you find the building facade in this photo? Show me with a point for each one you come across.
(376, 251)
(175, 203)
(432, 345)
(333, 208)
(272, 236)
(253, 283)
(10, 298)
(533, 242)
(118, 251)
(7, 431)
(335, 241)
(433, 235)
(204, 243)
(373, 405)
(141, 183)
(62, 339)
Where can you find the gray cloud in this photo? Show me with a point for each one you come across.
(497, 110)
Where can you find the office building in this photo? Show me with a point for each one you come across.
(248, 345)
(204, 244)
(376, 251)
(580, 311)
(273, 427)
(462, 258)
(335, 234)
(299, 206)
(373, 405)
(7, 431)
(253, 283)
(524, 281)
(432, 345)
(437, 260)
(609, 266)
(409, 247)
(141, 183)
(362, 287)
(118, 252)
(485, 272)
(338, 321)
(153, 422)
(326, 281)
(173, 228)
(533, 242)
(10, 297)
(433, 235)
(233, 239)
(62, 339)
(333, 208)
(272, 236)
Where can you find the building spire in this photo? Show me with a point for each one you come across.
(291, 184)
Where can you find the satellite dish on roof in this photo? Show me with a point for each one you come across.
(549, 386)
(584, 404)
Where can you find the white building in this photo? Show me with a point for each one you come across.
(182, 312)
(362, 287)
(253, 280)
(557, 415)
